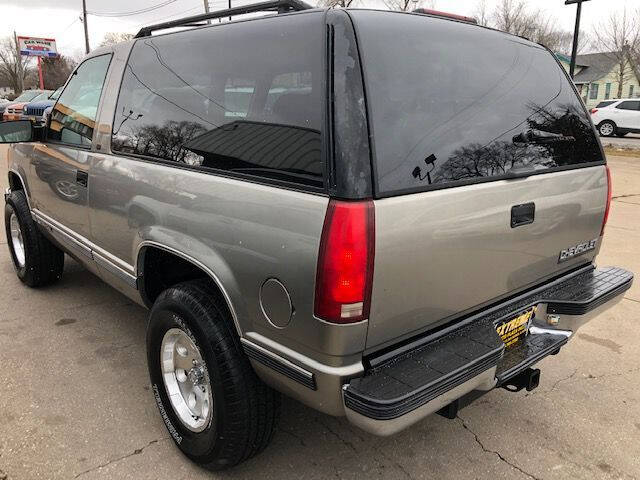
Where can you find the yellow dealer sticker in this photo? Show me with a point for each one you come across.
(514, 329)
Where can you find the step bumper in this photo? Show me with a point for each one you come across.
(406, 388)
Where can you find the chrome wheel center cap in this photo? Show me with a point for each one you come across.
(196, 375)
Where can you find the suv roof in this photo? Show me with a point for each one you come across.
(279, 6)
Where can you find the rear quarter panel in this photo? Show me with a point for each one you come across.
(243, 232)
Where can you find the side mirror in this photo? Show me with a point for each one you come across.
(17, 131)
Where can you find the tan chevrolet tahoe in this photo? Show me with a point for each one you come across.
(382, 215)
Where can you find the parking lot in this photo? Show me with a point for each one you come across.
(76, 403)
(629, 141)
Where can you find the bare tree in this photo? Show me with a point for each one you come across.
(56, 70)
(619, 37)
(407, 5)
(565, 43)
(12, 64)
(111, 38)
(481, 13)
(512, 16)
(339, 3)
(516, 17)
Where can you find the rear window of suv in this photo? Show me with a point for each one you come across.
(452, 104)
(243, 98)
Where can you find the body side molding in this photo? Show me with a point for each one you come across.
(279, 364)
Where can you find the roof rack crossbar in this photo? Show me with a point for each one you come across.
(280, 6)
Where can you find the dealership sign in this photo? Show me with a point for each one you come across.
(38, 47)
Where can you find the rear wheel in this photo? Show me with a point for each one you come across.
(607, 128)
(37, 261)
(216, 409)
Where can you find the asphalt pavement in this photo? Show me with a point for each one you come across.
(75, 399)
(629, 141)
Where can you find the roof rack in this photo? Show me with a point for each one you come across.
(280, 6)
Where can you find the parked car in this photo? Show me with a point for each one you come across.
(3, 104)
(35, 110)
(617, 117)
(13, 111)
(395, 215)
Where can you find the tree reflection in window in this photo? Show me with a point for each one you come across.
(547, 141)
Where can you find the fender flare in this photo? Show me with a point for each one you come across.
(150, 243)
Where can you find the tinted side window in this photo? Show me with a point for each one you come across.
(452, 103)
(604, 104)
(629, 105)
(74, 114)
(252, 105)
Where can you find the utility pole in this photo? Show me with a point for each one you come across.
(206, 9)
(18, 64)
(576, 33)
(86, 28)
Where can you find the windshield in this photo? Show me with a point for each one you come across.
(453, 103)
(56, 94)
(28, 95)
(42, 96)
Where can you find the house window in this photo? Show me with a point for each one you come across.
(607, 92)
(630, 91)
(593, 91)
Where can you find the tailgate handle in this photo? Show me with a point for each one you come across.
(523, 214)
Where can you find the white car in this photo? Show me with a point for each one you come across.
(617, 117)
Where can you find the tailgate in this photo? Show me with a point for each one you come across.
(486, 167)
(441, 253)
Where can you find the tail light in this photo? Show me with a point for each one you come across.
(609, 193)
(345, 262)
(593, 110)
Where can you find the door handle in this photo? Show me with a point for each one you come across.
(82, 178)
(523, 214)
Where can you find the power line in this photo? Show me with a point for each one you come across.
(160, 19)
(132, 12)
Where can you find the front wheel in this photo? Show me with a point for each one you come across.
(216, 409)
(36, 260)
(607, 128)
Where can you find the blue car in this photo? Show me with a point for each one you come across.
(35, 110)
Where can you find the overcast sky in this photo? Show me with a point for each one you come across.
(60, 19)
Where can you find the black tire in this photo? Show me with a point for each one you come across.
(607, 128)
(43, 261)
(245, 410)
